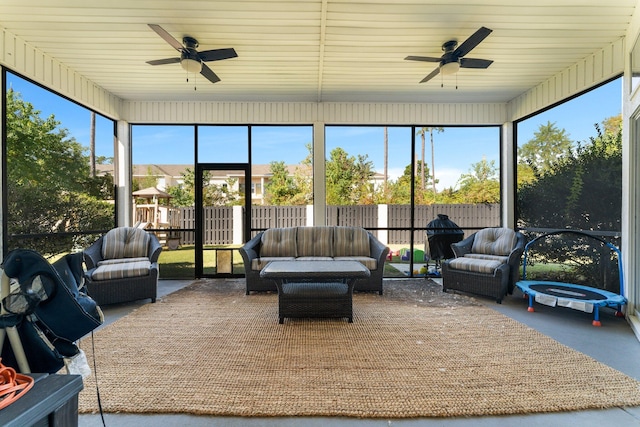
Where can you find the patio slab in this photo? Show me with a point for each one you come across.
(610, 344)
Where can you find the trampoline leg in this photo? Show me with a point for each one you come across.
(530, 309)
(596, 317)
(619, 312)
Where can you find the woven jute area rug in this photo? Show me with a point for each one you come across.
(413, 352)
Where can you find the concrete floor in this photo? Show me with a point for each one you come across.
(613, 344)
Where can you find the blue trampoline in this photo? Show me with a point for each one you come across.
(570, 295)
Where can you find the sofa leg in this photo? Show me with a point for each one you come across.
(153, 300)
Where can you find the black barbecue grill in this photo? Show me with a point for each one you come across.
(441, 233)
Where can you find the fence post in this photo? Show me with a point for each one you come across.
(383, 222)
(309, 215)
(237, 225)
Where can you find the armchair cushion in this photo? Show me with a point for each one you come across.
(494, 241)
(121, 270)
(502, 259)
(476, 265)
(125, 242)
(122, 260)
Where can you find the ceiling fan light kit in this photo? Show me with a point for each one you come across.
(450, 68)
(453, 57)
(191, 65)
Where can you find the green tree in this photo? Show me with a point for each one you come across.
(49, 187)
(303, 180)
(281, 188)
(39, 152)
(581, 191)
(400, 190)
(349, 179)
(212, 194)
(149, 180)
(180, 197)
(481, 184)
(547, 146)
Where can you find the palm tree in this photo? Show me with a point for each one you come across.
(433, 158)
(422, 132)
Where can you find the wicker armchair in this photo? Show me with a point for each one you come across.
(486, 263)
(122, 266)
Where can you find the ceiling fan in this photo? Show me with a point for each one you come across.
(190, 59)
(452, 58)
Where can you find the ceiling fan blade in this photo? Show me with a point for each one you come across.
(431, 75)
(473, 41)
(167, 37)
(217, 54)
(164, 61)
(209, 74)
(423, 58)
(475, 63)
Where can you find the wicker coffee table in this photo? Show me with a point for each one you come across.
(315, 288)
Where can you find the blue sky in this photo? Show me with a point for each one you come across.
(456, 149)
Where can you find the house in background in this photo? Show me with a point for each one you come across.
(172, 175)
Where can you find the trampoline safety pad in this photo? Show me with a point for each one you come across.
(576, 297)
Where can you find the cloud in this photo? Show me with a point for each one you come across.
(447, 177)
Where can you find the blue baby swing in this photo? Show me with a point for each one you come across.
(578, 297)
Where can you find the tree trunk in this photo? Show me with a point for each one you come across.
(422, 183)
(433, 165)
(92, 144)
(386, 159)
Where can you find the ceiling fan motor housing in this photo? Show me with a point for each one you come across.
(190, 42)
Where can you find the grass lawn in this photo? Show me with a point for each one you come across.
(180, 264)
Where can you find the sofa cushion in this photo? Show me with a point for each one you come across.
(278, 242)
(258, 264)
(125, 242)
(122, 270)
(370, 263)
(494, 241)
(314, 258)
(315, 241)
(475, 265)
(350, 241)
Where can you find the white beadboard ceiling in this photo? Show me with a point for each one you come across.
(318, 50)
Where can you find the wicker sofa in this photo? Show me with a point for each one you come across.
(486, 263)
(314, 243)
(122, 266)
